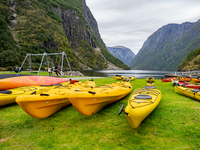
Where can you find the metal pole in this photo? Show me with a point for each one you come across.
(41, 63)
(47, 61)
(68, 62)
(22, 64)
(30, 63)
(62, 63)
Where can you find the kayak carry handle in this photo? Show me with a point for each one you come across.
(121, 109)
(33, 93)
(91, 92)
(44, 95)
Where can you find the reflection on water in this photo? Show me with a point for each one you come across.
(143, 74)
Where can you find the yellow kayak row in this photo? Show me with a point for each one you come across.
(193, 93)
(47, 103)
(140, 104)
(85, 97)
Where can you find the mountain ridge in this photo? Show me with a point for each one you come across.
(166, 47)
(122, 53)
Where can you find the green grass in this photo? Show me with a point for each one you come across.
(42, 73)
(176, 121)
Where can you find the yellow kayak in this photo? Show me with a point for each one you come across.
(193, 93)
(47, 103)
(117, 77)
(150, 79)
(8, 96)
(140, 104)
(89, 102)
(124, 78)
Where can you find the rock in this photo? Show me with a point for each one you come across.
(73, 73)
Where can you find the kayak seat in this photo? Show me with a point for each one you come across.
(195, 90)
(143, 97)
(150, 87)
(118, 75)
(6, 92)
(58, 84)
(45, 85)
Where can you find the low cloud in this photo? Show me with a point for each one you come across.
(130, 22)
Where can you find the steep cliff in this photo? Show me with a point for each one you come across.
(54, 26)
(166, 47)
(122, 53)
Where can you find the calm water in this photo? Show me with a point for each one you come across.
(137, 73)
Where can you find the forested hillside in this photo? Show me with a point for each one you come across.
(38, 26)
(191, 62)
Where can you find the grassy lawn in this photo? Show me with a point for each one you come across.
(174, 124)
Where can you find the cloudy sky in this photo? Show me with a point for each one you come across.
(130, 22)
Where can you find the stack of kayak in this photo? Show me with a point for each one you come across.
(85, 97)
(10, 88)
(41, 101)
(140, 104)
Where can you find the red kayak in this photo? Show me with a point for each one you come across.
(14, 82)
(168, 79)
(189, 85)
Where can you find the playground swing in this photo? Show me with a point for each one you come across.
(63, 54)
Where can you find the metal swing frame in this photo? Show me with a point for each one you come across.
(43, 55)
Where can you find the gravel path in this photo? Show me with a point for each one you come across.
(2, 76)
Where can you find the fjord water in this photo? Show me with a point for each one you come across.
(142, 74)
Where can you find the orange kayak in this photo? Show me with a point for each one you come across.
(185, 79)
(14, 82)
(166, 80)
(196, 80)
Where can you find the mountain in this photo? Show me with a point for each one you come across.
(122, 53)
(52, 26)
(168, 46)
